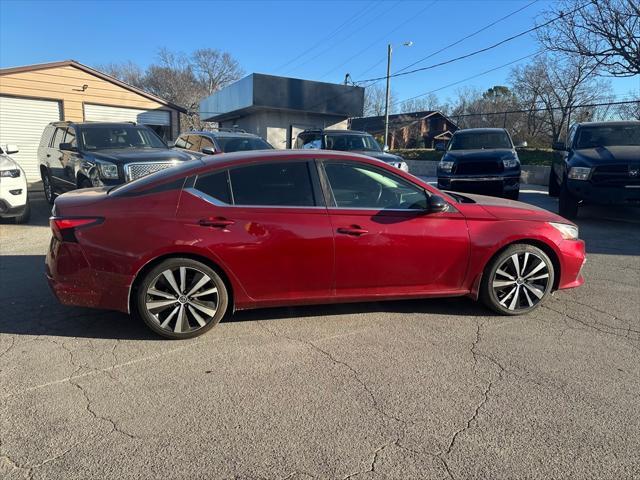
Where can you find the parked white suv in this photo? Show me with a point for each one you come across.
(13, 187)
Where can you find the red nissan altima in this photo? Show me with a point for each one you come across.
(255, 229)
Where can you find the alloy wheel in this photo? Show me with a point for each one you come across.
(182, 299)
(48, 188)
(521, 281)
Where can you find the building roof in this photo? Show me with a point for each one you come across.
(376, 123)
(91, 71)
(260, 92)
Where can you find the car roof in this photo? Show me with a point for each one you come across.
(619, 123)
(329, 131)
(480, 130)
(221, 134)
(94, 124)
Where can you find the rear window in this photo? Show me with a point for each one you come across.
(285, 184)
(241, 144)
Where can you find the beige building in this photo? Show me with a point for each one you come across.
(34, 95)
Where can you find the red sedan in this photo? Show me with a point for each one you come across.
(255, 229)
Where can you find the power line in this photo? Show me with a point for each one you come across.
(349, 21)
(353, 32)
(372, 44)
(482, 50)
(457, 42)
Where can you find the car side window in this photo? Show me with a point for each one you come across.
(286, 184)
(181, 141)
(193, 143)
(361, 186)
(572, 135)
(71, 137)
(215, 185)
(58, 137)
(206, 143)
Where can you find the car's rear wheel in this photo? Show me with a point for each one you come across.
(47, 186)
(181, 298)
(517, 280)
(567, 204)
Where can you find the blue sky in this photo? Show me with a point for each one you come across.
(266, 36)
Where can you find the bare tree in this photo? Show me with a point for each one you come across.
(374, 100)
(183, 79)
(429, 102)
(607, 31)
(631, 110)
(555, 87)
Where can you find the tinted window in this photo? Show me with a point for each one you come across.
(351, 142)
(239, 144)
(309, 140)
(215, 185)
(58, 137)
(119, 136)
(356, 185)
(606, 136)
(279, 184)
(479, 140)
(193, 143)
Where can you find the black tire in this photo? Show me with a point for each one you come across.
(47, 186)
(554, 188)
(25, 215)
(164, 320)
(85, 183)
(530, 290)
(567, 204)
(513, 195)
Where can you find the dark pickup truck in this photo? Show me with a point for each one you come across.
(87, 154)
(599, 164)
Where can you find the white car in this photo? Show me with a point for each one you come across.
(13, 187)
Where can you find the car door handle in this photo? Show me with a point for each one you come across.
(217, 222)
(354, 230)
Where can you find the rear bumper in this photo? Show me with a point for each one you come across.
(572, 261)
(603, 195)
(74, 282)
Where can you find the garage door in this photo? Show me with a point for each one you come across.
(102, 113)
(22, 122)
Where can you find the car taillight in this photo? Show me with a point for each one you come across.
(64, 228)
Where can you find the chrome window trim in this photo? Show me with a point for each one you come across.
(218, 203)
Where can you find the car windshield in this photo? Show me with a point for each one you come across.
(120, 136)
(606, 136)
(480, 140)
(351, 142)
(240, 144)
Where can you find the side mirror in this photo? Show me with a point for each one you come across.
(67, 147)
(440, 147)
(559, 146)
(9, 149)
(436, 204)
(208, 151)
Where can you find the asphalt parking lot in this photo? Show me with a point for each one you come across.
(419, 389)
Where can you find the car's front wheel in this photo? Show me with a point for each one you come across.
(517, 280)
(181, 298)
(567, 204)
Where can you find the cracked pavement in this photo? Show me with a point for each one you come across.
(438, 389)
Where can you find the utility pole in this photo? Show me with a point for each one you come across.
(386, 103)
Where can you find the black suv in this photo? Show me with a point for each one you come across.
(87, 154)
(481, 160)
(221, 141)
(600, 163)
(348, 141)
